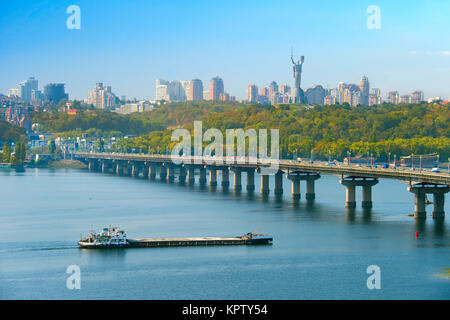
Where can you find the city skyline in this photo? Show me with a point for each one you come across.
(407, 53)
(192, 90)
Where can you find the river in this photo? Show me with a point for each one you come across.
(320, 251)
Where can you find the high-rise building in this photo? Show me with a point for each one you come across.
(175, 90)
(265, 92)
(364, 88)
(195, 90)
(25, 88)
(186, 86)
(417, 97)
(348, 93)
(315, 95)
(224, 96)
(329, 100)
(285, 91)
(405, 98)
(101, 96)
(55, 92)
(393, 97)
(375, 97)
(14, 92)
(273, 88)
(252, 93)
(216, 87)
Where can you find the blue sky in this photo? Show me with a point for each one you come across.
(128, 44)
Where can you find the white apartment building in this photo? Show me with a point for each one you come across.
(101, 97)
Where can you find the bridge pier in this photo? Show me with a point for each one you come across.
(438, 205)
(350, 196)
(278, 190)
(296, 177)
(310, 186)
(420, 191)
(237, 186)
(163, 172)
(93, 164)
(250, 180)
(171, 173)
(265, 184)
(152, 171)
(104, 167)
(145, 171)
(134, 170)
(351, 183)
(118, 168)
(191, 175)
(225, 177)
(202, 178)
(212, 177)
(128, 170)
(295, 191)
(182, 177)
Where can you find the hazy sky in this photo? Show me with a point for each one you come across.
(128, 44)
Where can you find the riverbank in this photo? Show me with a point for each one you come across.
(67, 164)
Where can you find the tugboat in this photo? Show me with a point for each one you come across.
(111, 237)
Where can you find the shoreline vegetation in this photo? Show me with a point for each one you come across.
(400, 130)
(67, 164)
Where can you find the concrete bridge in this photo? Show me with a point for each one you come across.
(420, 183)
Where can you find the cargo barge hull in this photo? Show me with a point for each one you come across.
(197, 242)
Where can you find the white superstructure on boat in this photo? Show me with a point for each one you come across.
(108, 237)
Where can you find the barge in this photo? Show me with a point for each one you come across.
(113, 237)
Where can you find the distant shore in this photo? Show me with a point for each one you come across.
(68, 164)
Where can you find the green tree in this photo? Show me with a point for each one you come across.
(6, 156)
(52, 147)
(19, 154)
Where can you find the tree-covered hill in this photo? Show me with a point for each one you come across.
(399, 129)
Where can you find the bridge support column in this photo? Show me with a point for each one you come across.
(171, 173)
(182, 178)
(202, 178)
(191, 175)
(419, 205)
(92, 166)
(128, 170)
(225, 177)
(118, 169)
(295, 190)
(163, 172)
(212, 177)
(367, 196)
(265, 184)
(349, 193)
(237, 179)
(104, 167)
(145, 171)
(152, 171)
(134, 170)
(251, 180)
(438, 204)
(278, 190)
(350, 196)
(310, 186)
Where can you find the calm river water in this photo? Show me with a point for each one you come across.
(320, 250)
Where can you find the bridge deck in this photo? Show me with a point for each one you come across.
(284, 165)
